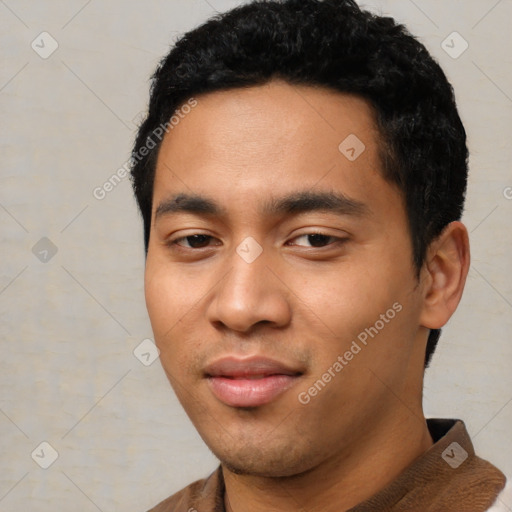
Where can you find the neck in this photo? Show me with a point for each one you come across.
(340, 482)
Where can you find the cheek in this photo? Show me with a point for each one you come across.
(173, 306)
(159, 300)
(165, 301)
(348, 297)
(359, 302)
(168, 295)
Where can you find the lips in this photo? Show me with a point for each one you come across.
(249, 382)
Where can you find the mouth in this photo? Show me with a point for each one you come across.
(249, 382)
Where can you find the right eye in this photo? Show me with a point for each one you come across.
(196, 241)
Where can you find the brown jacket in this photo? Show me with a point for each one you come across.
(448, 477)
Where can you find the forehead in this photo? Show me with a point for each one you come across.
(263, 141)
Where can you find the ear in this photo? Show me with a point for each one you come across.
(444, 275)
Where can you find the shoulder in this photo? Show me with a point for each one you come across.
(503, 502)
(178, 502)
(205, 493)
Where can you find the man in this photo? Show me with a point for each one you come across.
(301, 175)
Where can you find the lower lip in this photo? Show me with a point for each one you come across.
(250, 392)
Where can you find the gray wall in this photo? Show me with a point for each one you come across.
(70, 321)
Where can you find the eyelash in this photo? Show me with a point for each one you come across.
(173, 243)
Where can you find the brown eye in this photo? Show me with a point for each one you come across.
(317, 240)
(194, 241)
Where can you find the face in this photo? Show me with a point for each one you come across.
(279, 277)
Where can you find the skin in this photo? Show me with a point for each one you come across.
(296, 303)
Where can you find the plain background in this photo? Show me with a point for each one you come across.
(70, 321)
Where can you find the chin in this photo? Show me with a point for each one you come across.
(269, 462)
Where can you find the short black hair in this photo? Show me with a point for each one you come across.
(336, 45)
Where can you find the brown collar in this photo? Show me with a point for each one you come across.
(447, 477)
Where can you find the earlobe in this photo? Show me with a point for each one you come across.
(446, 269)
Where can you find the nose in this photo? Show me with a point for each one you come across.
(250, 294)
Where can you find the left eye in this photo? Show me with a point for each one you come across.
(317, 239)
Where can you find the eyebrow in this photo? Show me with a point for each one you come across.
(295, 203)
